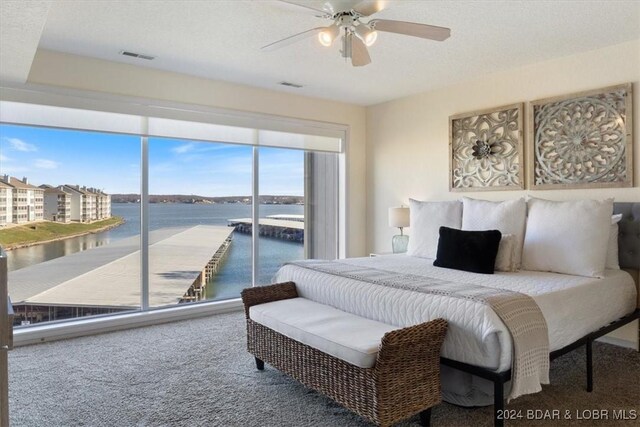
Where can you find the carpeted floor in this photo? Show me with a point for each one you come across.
(197, 373)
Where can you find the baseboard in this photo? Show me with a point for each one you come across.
(100, 324)
(619, 342)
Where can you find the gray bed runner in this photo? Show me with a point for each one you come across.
(519, 312)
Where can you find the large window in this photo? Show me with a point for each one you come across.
(198, 190)
(152, 212)
(281, 213)
(71, 251)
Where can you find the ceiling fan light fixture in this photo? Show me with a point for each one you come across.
(367, 34)
(328, 35)
(345, 17)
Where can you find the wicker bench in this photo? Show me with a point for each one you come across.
(404, 380)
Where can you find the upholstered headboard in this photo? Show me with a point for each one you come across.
(629, 235)
(629, 239)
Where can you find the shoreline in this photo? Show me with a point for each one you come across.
(57, 239)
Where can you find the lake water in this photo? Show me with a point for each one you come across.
(235, 273)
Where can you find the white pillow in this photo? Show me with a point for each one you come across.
(567, 237)
(425, 221)
(612, 261)
(509, 217)
(505, 260)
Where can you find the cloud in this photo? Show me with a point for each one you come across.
(184, 148)
(200, 147)
(13, 170)
(4, 158)
(46, 164)
(20, 145)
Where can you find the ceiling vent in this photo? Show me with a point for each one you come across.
(297, 86)
(137, 55)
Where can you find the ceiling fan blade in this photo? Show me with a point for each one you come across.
(291, 39)
(359, 54)
(296, 4)
(335, 6)
(369, 7)
(411, 29)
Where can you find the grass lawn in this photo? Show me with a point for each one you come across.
(42, 231)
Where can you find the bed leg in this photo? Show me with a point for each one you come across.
(589, 366)
(425, 417)
(259, 364)
(498, 403)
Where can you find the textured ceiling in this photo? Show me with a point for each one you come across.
(21, 25)
(222, 39)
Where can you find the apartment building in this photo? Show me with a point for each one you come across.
(103, 203)
(6, 204)
(76, 197)
(57, 204)
(27, 200)
(89, 205)
(22, 202)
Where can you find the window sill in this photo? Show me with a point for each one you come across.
(116, 322)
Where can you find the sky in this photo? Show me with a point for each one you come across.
(111, 163)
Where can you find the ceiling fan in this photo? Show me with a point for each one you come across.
(356, 35)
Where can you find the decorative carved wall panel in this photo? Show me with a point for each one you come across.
(485, 149)
(581, 140)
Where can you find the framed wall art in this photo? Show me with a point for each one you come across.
(485, 149)
(582, 140)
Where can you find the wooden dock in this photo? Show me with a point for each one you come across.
(180, 263)
(198, 289)
(285, 229)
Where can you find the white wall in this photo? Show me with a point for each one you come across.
(407, 139)
(57, 69)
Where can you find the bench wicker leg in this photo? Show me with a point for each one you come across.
(259, 364)
(425, 418)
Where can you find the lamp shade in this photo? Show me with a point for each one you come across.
(366, 34)
(329, 34)
(399, 217)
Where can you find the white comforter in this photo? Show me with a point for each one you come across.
(573, 306)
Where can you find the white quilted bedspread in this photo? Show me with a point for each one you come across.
(573, 306)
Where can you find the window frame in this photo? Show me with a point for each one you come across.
(71, 98)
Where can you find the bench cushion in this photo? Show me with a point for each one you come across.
(343, 335)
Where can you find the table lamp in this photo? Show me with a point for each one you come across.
(399, 217)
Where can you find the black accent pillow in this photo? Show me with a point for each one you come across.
(473, 251)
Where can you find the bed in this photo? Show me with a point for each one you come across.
(477, 342)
